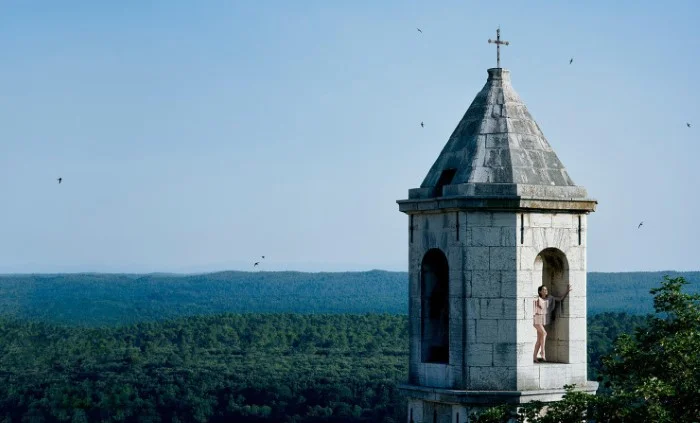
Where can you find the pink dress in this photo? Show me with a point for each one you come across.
(543, 310)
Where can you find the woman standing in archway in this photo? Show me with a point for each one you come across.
(544, 306)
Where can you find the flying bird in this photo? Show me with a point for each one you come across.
(688, 124)
(419, 30)
(640, 225)
(263, 256)
(421, 125)
(59, 180)
(256, 263)
(571, 61)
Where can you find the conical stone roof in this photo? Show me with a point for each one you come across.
(498, 151)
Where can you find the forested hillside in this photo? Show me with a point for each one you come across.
(110, 299)
(243, 368)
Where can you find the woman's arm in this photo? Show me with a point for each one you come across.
(563, 296)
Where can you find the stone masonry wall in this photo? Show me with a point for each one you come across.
(492, 287)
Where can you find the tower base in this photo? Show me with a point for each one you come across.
(437, 405)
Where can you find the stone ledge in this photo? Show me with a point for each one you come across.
(441, 204)
(455, 396)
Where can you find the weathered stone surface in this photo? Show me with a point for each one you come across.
(497, 142)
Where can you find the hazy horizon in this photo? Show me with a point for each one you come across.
(195, 137)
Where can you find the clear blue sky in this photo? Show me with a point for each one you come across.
(196, 136)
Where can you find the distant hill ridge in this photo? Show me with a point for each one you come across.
(107, 299)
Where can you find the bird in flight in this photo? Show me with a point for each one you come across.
(59, 180)
(571, 61)
(687, 123)
(263, 257)
(256, 263)
(421, 125)
(419, 30)
(640, 224)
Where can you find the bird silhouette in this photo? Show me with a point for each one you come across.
(687, 123)
(256, 263)
(59, 180)
(263, 256)
(421, 125)
(419, 30)
(571, 61)
(640, 225)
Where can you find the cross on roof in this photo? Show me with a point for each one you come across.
(498, 43)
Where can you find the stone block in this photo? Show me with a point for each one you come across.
(526, 287)
(486, 284)
(564, 220)
(525, 350)
(525, 330)
(577, 329)
(473, 308)
(456, 376)
(577, 279)
(528, 377)
(498, 308)
(427, 239)
(526, 237)
(467, 280)
(414, 328)
(479, 355)
(551, 238)
(486, 237)
(459, 414)
(509, 236)
(577, 352)
(560, 354)
(576, 307)
(502, 258)
(553, 376)
(526, 308)
(478, 218)
(579, 373)
(509, 283)
(507, 219)
(415, 411)
(455, 356)
(414, 284)
(505, 354)
(435, 375)
(507, 331)
(456, 310)
(486, 331)
(477, 258)
(526, 257)
(414, 307)
(457, 282)
(576, 257)
(492, 378)
(540, 220)
(454, 258)
(471, 331)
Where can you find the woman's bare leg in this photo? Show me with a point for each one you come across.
(544, 339)
(539, 345)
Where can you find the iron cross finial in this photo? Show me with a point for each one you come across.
(498, 43)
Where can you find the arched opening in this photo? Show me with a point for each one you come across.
(435, 308)
(552, 271)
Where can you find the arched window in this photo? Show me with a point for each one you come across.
(435, 308)
(552, 271)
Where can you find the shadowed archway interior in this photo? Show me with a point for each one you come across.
(435, 308)
(552, 271)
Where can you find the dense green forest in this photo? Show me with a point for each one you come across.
(243, 368)
(112, 299)
(234, 346)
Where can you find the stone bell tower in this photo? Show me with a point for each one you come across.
(496, 217)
